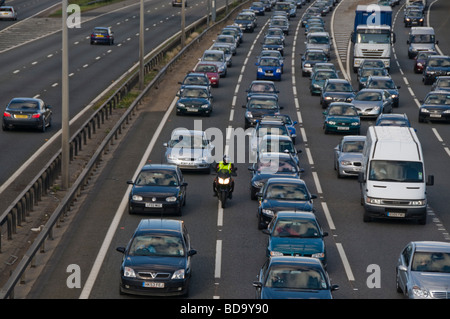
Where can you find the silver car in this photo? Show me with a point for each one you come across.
(319, 41)
(8, 13)
(348, 155)
(189, 150)
(372, 102)
(423, 270)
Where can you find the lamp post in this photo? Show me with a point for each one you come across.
(141, 47)
(65, 101)
(183, 23)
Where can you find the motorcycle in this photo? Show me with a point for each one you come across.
(223, 185)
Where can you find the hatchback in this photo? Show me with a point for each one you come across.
(157, 259)
(102, 35)
(8, 13)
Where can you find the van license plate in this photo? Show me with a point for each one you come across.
(396, 214)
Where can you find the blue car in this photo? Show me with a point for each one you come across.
(269, 68)
(296, 233)
(102, 35)
(273, 43)
(287, 277)
(258, 8)
(194, 99)
(286, 119)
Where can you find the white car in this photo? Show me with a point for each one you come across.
(8, 13)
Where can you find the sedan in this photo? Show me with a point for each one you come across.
(157, 259)
(279, 144)
(258, 8)
(282, 194)
(366, 72)
(423, 270)
(348, 155)
(189, 150)
(336, 90)
(370, 103)
(217, 57)
(341, 117)
(421, 60)
(194, 78)
(273, 43)
(228, 39)
(393, 119)
(246, 21)
(211, 70)
(287, 120)
(27, 113)
(274, 54)
(102, 35)
(262, 87)
(268, 68)
(8, 13)
(286, 277)
(310, 58)
(158, 188)
(436, 106)
(437, 65)
(296, 233)
(318, 80)
(385, 83)
(259, 105)
(194, 99)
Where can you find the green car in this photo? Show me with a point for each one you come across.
(342, 117)
(318, 80)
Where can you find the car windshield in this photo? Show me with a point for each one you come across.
(439, 62)
(392, 122)
(339, 87)
(265, 104)
(23, 105)
(225, 49)
(396, 171)
(368, 96)
(269, 62)
(343, 110)
(196, 80)
(367, 72)
(206, 68)
(194, 93)
(270, 53)
(101, 31)
(276, 165)
(262, 88)
(422, 38)
(415, 14)
(295, 277)
(438, 99)
(157, 245)
(296, 228)
(286, 192)
(373, 64)
(431, 262)
(315, 56)
(318, 40)
(156, 178)
(187, 141)
(244, 17)
(272, 130)
(225, 39)
(213, 57)
(278, 146)
(382, 84)
(353, 146)
(323, 75)
(273, 40)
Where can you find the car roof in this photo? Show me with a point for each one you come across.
(354, 138)
(286, 180)
(148, 167)
(296, 214)
(393, 115)
(278, 137)
(160, 225)
(289, 260)
(177, 131)
(432, 246)
(192, 86)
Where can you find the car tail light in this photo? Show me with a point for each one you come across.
(36, 116)
(6, 114)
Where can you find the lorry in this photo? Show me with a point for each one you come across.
(392, 178)
(372, 34)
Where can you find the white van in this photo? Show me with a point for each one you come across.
(392, 179)
(421, 39)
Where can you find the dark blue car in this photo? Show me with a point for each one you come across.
(286, 277)
(194, 99)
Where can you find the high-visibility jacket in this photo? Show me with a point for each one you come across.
(222, 166)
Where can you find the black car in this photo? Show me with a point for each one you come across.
(194, 78)
(271, 165)
(286, 277)
(437, 65)
(27, 113)
(435, 107)
(442, 83)
(259, 87)
(194, 99)
(258, 106)
(158, 188)
(385, 83)
(413, 17)
(336, 90)
(282, 194)
(246, 21)
(157, 259)
(273, 43)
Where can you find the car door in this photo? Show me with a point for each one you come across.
(404, 260)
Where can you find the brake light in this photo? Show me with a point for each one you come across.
(36, 116)
(6, 114)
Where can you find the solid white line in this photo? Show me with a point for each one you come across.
(218, 267)
(344, 259)
(118, 216)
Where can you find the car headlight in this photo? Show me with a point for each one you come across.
(318, 255)
(417, 202)
(278, 70)
(258, 184)
(205, 106)
(307, 65)
(171, 199)
(137, 198)
(181, 105)
(224, 181)
(446, 111)
(355, 123)
(394, 96)
(179, 274)
(424, 110)
(376, 201)
(346, 163)
(376, 108)
(328, 98)
(275, 253)
(331, 122)
(408, 19)
(129, 272)
(268, 212)
(419, 64)
(260, 70)
(419, 292)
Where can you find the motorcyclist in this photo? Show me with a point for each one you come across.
(225, 165)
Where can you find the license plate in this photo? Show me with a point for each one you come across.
(192, 110)
(153, 205)
(152, 284)
(21, 116)
(435, 115)
(99, 36)
(269, 74)
(396, 214)
(186, 163)
(343, 128)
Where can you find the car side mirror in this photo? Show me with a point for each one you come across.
(361, 177)
(130, 182)
(192, 252)
(121, 250)
(430, 180)
(266, 231)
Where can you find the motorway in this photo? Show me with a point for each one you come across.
(230, 247)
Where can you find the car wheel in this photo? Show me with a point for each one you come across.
(260, 222)
(397, 284)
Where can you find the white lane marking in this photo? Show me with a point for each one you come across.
(218, 265)
(328, 216)
(344, 259)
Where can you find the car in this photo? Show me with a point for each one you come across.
(435, 107)
(283, 24)
(366, 72)
(274, 54)
(341, 117)
(319, 41)
(386, 83)
(268, 68)
(226, 48)
(286, 119)
(102, 35)
(189, 150)
(194, 78)
(296, 233)
(210, 70)
(371, 63)
(8, 13)
(238, 32)
(195, 100)
(370, 103)
(258, 106)
(267, 126)
(311, 57)
(271, 165)
(262, 87)
(421, 39)
(157, 259)
(273, 43)
(323, 66)
(282, 194)
(278, 144)
(227, 39)
(437, 65)
(275, 32)
(336, 90)
(246, 21)
(217, 57)
(309, 13)
(420, 60)
(179, 3)
(348, 157)
(287, 277)
(258, 7)
(27, 113)
(442, 83)
(158, 188)
(393, 119)
(413, 17)
(318, 80)
(423, 270)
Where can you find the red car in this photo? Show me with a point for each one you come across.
(210, 70)
(421, 60)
